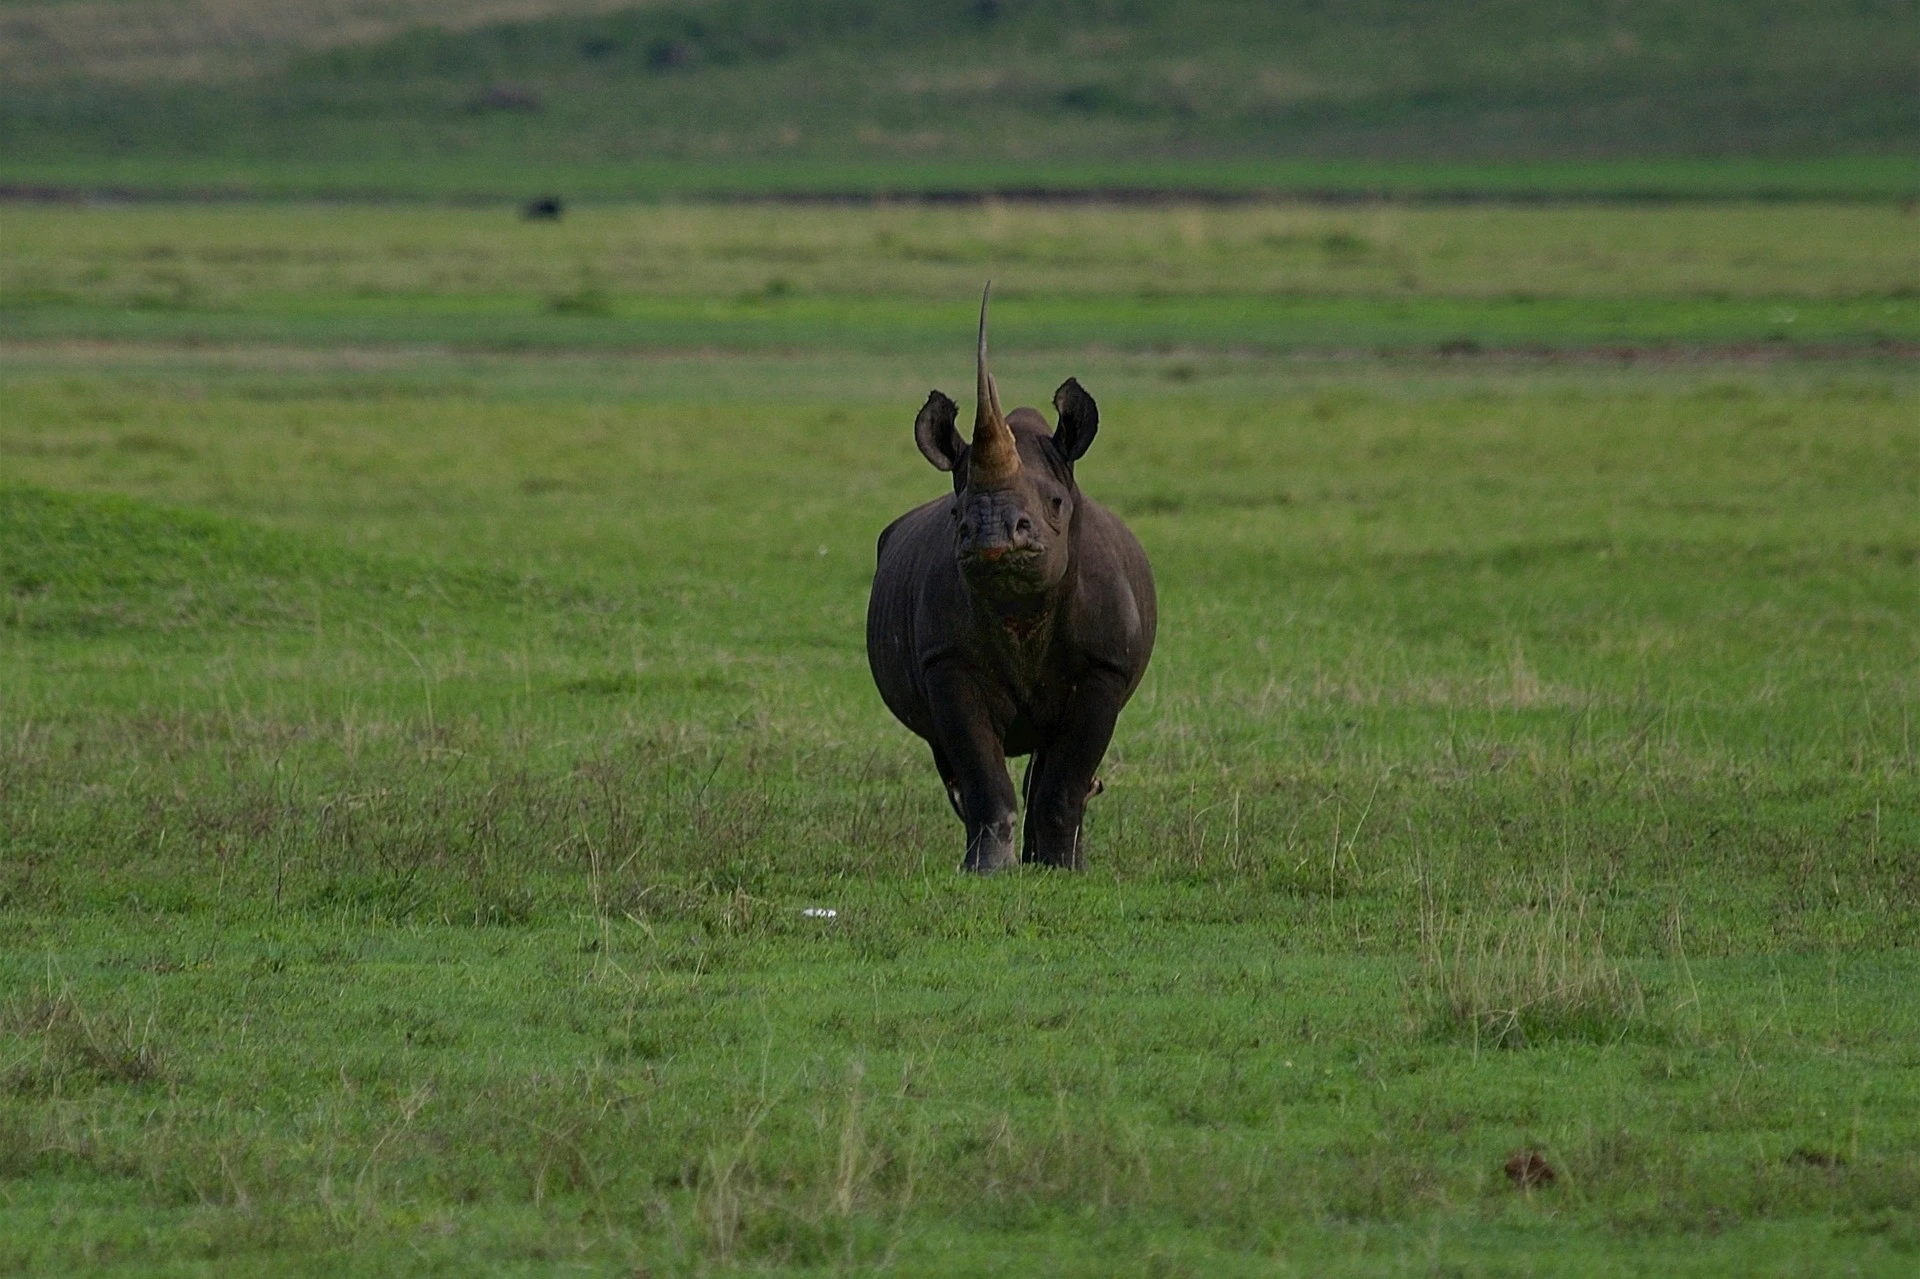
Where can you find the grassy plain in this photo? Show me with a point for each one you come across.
(415, 759)
(1262, 278)
(498, 98)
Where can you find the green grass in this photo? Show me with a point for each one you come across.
(486, 181)
(697, 97)
(416, 754)
(1250, 279)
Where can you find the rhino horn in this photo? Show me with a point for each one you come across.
(995, 459)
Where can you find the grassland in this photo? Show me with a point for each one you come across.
(416, 756)
(1263, 278)
(498, 98)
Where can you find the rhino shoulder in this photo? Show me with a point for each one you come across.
(914, 525)
(1115, 609)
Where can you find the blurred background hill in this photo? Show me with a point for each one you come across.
(499, 98)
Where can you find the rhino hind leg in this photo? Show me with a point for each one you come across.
(1061, 777)
(1055, 808)
(1069, 853)
(1094, 787)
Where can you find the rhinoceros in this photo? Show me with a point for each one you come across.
(1014, 616)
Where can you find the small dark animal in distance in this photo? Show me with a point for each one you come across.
(1014, 616)
(1808, 1157)
(1528, 1169)
(507, 97)
(545, 208)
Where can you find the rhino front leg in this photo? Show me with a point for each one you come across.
(1063, 774)
(973, 752)
(950, 780)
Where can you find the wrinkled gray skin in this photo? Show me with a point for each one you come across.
(1009, 618)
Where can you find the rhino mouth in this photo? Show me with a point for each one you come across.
(1003, 565)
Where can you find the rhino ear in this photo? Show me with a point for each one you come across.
(1079, 419)
(934, 431)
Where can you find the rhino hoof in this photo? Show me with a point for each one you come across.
(992, 850)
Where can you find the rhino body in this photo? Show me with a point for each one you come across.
(1012, 617)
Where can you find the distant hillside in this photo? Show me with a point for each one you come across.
(342, 94)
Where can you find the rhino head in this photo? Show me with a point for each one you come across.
(1015, 499)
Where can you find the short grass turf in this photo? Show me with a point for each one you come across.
(417, 766)
(418, 760)
(900, 279)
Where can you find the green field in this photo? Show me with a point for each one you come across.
(1259, 279)
(432, 689)
(500, 99)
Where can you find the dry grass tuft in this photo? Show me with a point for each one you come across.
(58, 1047)
(1515, 977)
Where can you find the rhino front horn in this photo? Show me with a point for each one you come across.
(995, 458)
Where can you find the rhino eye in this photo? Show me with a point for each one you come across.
(1057, 504)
